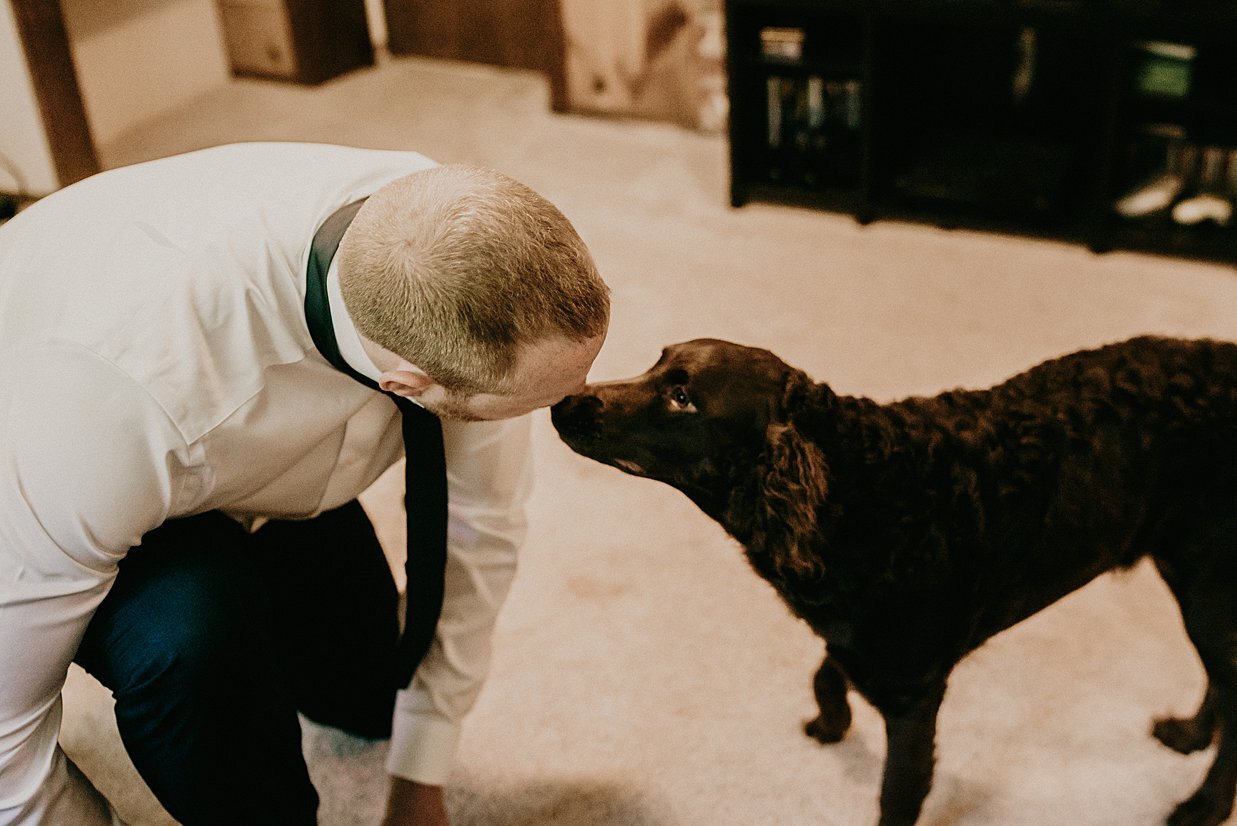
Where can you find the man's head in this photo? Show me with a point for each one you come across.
(473, 294)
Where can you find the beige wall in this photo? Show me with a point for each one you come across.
(659, 59)
(137, 59)
(23, 141)
(605, 52)
(375, 14)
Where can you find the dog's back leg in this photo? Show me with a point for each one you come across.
(1203, 576)
(829, 686)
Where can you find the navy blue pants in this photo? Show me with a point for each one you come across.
(212, 639)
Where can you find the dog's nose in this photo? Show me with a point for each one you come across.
(580, 405)
(576, 414)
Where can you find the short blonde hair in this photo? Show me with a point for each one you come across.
(455, 268)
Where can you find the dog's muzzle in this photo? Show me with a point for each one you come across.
(576, 418)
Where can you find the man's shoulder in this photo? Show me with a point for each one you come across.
(275, 154)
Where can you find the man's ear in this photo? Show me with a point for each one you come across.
(405, 380)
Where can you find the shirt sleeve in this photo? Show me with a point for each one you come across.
(489, 478)
(86, 468)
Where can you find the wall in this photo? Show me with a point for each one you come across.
(137, 59)
(376, 17)
(658, 59)
(23, 142)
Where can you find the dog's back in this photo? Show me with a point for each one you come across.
(1081, 464)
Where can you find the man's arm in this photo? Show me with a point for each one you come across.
(489, 480)
(84, 472)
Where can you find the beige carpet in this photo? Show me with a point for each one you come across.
(643, 675)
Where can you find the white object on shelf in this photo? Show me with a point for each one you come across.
(1205, 207)
(1152, 196)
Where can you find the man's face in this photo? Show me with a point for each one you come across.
(544, 373)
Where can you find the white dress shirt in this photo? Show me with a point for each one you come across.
(154, 363)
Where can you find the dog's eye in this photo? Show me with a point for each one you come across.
(679, 400)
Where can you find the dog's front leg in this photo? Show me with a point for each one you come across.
(910, 732)
(829, 686)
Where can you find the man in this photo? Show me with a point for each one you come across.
(179, 460)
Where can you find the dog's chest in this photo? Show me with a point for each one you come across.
(821, 604)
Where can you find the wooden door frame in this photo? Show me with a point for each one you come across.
(40, 27)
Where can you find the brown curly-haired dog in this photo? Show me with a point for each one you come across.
(907, 534)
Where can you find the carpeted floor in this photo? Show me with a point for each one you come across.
(643, 675)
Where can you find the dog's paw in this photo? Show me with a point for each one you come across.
(1201, 809)
(825, 731)
(1182, 735)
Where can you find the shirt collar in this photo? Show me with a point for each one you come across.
(346, 335)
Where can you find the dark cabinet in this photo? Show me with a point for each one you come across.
(522, 34)
(1112, 124)
(306, 41)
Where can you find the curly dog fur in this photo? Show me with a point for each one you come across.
(907, 534)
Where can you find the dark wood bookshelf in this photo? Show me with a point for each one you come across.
(1030, 117)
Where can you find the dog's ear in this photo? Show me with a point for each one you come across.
(793, 487)
(800, 396)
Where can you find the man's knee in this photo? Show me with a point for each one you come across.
(186, 628)
(199, 651)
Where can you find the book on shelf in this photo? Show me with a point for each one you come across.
(812, 128)
(781, 43)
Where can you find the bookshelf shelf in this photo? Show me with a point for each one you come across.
(1034, 117)
(837, 69)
